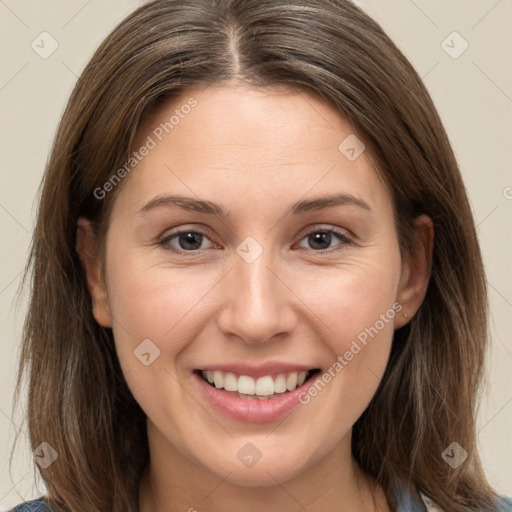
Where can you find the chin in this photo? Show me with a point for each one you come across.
(267, 471)
(264, 474)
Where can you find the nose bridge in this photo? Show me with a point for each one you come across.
(257, 304)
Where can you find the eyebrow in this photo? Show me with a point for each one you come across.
(208, 207)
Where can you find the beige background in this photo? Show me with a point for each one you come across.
(473, 93)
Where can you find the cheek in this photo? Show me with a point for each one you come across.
(157, 313)
(357, 307)
(163, 304)
(364, 316)
(352, 299)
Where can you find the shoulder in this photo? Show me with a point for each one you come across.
(504, 504)
(420, 503)
(38, 505)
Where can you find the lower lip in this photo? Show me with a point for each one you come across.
(254, 411)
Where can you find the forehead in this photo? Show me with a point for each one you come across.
(270, 142)
(242, 118)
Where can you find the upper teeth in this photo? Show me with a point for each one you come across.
(263, 386)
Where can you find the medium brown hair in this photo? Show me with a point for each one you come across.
(78, 400)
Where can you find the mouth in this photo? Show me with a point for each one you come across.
(266, 387)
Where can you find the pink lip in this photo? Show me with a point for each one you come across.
(254, 411)
(257, 370)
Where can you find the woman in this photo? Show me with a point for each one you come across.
(191, 343)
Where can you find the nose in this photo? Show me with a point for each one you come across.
(257, 302)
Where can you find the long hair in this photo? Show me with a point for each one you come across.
(78, 400)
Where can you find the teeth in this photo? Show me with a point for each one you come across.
(265, 386)
(291, 381)
(245, 385)
(230, 382)
(301, 377)
(218, 379)
(280, 384)
(262, 387)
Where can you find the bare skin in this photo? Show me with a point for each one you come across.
(254, 152)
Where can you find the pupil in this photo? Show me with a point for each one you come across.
(188, 239)
(320, 237)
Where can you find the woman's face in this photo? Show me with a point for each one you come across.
(283, 281)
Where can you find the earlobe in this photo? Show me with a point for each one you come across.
(86, 250)
(416, 271)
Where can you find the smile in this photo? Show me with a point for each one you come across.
(262, 388)
(255, 399)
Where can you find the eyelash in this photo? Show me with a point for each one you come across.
(345, 240)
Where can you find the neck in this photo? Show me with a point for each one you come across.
(173, 482)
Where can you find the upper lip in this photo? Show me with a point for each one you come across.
(257, 370)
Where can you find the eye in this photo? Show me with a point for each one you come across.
(320, 239)
(189, 241)
(186, 239)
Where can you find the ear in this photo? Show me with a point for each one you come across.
(86, 249)
(416, 271)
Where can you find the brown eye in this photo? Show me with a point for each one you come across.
(186, 241)
(320, 240)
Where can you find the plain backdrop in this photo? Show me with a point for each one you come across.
(467, 73)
